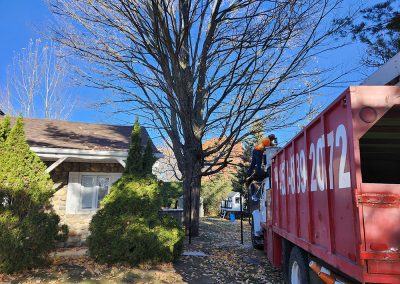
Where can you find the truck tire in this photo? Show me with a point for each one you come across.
(298, 267)
(255, 241)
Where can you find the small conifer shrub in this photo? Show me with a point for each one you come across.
(128, 228)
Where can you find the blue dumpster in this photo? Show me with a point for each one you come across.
(232, 217)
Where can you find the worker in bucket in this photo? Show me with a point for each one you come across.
(257, 155)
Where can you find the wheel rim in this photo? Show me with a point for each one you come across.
(295, 273)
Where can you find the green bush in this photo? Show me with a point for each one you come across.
(28, 229)
(26, 242)
(170, 193)
(128, 228)
(213, 192)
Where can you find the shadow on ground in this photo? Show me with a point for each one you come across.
(228, 260)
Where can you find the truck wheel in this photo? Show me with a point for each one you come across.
(255, 241)
(298, 267)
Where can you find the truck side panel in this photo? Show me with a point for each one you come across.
(376, 136)
(341, 181)
(313, 179)
(336, 186)
(303, 199)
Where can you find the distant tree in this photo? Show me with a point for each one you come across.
(379, 29)
(214, 190)
(248, 144)
(36, 83)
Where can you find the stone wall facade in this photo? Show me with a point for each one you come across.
(78, 223)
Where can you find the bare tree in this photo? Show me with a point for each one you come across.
(36, 83)
(5, 100)
(197, 69)
(166, 168)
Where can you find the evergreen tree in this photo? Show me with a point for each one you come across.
(5, 128)
(134, 162)
(148, 158)
(22, 172)
(247, 147)
(379, 29)
(28, 232)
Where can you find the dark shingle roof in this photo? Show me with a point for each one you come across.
(81, 136)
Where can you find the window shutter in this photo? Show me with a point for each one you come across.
(73, 193)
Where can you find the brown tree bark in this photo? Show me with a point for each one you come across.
(192, 185)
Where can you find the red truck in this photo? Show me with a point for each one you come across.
(335, 198)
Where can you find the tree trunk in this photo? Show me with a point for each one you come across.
(191, 193)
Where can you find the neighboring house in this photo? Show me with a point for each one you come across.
(166, 168)
(231, 204)
(83, 160)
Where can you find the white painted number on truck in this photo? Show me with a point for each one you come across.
(296, 169)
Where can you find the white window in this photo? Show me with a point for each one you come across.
(86, 190)
(93, 190)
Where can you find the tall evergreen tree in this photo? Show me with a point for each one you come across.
(148, 158)
(379, 30)
(134, 162)
(27, 232)
(5, 128)
(22, 172)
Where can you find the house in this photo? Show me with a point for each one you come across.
(83, 160)
(232, 204)
(166, 168)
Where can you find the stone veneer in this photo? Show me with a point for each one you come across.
(78, 223)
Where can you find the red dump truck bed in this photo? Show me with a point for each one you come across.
(336, 188)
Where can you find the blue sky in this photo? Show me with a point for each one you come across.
(21, 20)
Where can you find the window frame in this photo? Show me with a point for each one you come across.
(96, 189)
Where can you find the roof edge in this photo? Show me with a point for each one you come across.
(64, 151)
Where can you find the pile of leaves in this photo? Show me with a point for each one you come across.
(227, 260)
(29, 230)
